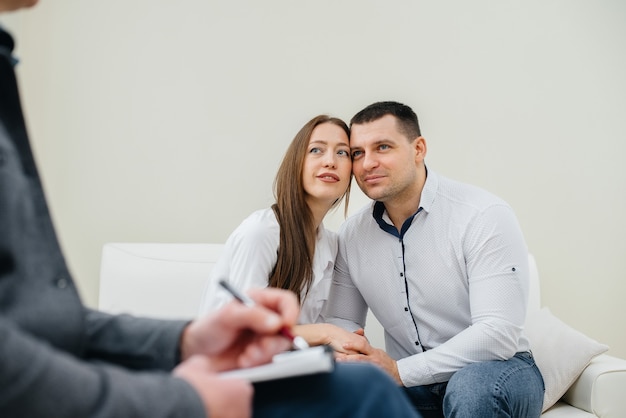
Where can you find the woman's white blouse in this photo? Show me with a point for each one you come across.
(250, 254)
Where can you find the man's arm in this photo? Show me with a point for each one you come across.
(132, 342)
(38, 380)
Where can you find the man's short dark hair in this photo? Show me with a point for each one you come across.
(406, 118)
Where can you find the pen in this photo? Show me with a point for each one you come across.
(297, 341)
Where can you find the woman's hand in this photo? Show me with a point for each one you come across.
(332, 335)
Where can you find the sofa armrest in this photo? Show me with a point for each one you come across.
(600, 387)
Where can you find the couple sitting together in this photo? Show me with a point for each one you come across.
(442, 265)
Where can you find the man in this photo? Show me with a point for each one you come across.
(61, 359)
(444, 268)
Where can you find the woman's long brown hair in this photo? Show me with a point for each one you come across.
(294, 267)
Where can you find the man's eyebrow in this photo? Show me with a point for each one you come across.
(377, 142)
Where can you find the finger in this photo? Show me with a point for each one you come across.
(262, 350)
(360, 346)
(237, 317)
(351, 357)
(361, 332)
(283, 302)
(342, 349)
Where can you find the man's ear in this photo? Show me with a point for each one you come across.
(420, 149)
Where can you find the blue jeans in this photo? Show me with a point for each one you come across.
(351, 390)
(511, 388)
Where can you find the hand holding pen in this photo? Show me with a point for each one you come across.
(234, 337)
(297, 341)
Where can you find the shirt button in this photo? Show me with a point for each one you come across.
(417, 343)
(401, 274)
(406, 309)
(62, 283)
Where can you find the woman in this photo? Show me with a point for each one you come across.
(287, 246)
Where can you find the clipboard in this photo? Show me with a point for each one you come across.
(319, 359)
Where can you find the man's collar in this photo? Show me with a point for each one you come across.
(429, 191)
(427, 198)
(379, 211)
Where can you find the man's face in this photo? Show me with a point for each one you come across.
(10, 5)
(384, 162)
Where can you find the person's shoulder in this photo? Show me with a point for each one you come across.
(467, 194)
(259, 225)
(327, 234)
(357, 221)
(327, 244)
(264, 218)
(364, 212)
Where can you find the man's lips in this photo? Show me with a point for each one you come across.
(372, 178)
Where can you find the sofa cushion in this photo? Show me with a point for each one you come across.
(561, 352)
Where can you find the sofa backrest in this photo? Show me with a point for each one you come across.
(534, 294)
(162, 280)
(166, 280)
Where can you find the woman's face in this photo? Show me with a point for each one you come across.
(327, 165)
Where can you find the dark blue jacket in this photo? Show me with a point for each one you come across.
(57, 357)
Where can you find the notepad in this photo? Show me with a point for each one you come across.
(312, 360)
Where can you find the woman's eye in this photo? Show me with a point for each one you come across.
(343, 152)
(315, 150)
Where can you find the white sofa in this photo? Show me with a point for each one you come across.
(167, 280)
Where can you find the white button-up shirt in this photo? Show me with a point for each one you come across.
(450, 290)
(250, 254)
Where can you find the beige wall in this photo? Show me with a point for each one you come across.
(165, 120)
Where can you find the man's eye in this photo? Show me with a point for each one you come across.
(383, 146)
(356, 154)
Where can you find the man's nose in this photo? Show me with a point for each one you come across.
(369, 161)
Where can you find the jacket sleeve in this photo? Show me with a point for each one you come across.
(38, 380)
(132, 342)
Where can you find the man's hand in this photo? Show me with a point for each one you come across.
(240, 336)
(233, 337)
(230, 398)
(365, 352)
